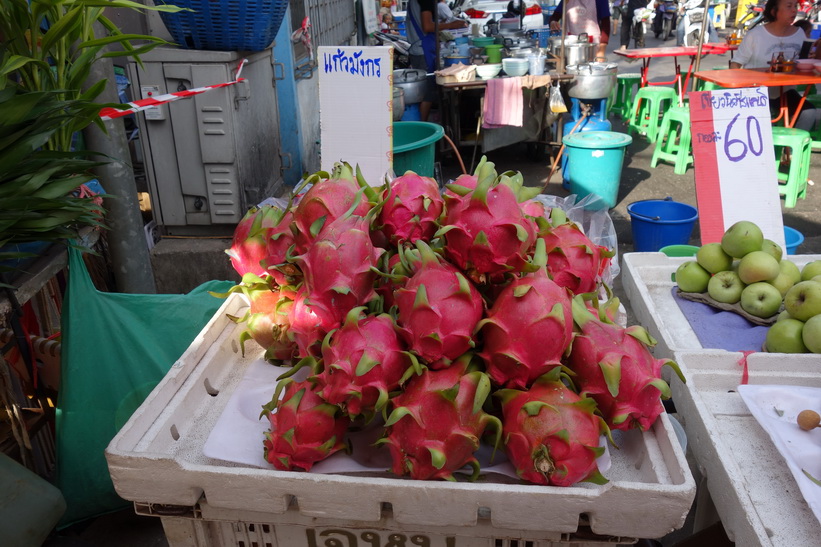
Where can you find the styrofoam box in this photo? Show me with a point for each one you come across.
(157, 460)
(753, 490)
(648, 285)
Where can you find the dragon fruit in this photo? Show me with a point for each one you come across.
(268, 317)
(310, 322)
(486, 231)
(338, 267)
(304, 428)
(615, 367)
(551, 434)
(438, 309)
(528, 329)
(330, 197)
(412, 207)
(363, 361)
(436, 423)
(573, 261)
(263, 234)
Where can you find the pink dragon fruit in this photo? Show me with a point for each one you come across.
(339, 266)
(267, 320)
(438, 309)
(486, 231)
(573, 261)
(412, 207)
(615, 367)
(551, 434)
(435, 424)
(363, 361)
(263, 234)
(327, 200)
(310, 322)
(533, 208)
(528, 329)
(304, 428)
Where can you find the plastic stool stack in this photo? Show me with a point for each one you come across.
(800, 144)
(674, 139)
(645, 114)
(621, 100)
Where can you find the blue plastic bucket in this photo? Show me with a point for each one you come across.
(594, 161)
(793, 239)
(657, 223)
(414, 147)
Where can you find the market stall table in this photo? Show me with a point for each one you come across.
(735, 78)
(649, 53)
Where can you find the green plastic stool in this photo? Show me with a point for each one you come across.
(621, 98)
(645, 114)
(680, 250)
(674, 140)
(815, 134)
(800, 144)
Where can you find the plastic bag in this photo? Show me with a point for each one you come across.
(591, 213)
(115, 350)
(556, 101)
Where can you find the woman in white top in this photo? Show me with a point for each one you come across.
(765, 42)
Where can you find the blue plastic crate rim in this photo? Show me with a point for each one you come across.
(225, 25)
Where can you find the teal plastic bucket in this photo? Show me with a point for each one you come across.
(594, 161)
(414, 147)
(657, 223)
(793, 238)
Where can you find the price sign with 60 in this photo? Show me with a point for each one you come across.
(734, 161)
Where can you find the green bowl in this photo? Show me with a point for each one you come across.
(481, 41)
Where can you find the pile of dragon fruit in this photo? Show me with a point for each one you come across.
(449, 318)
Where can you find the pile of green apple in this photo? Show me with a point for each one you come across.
(747, 269)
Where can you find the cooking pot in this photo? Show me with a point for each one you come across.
(555, 43)
(412, 82)
(398, 103)
(522, 52)
(578, 53)
(521, 41)
(592, 80)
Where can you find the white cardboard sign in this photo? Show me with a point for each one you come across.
(735, 171)
(356, 108)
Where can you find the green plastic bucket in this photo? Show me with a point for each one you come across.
(680, 250)
(414, 147)
(494, 53)
(594, 161)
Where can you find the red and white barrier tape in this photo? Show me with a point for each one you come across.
(109, 113)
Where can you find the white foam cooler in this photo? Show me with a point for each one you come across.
(648, 285)
(753, 490)
(157, 461)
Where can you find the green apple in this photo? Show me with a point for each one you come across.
(690, 277)
(803, 300)
(772, 248)
(783, 283)
(760, 299)
(811, 336)
(785, 337)
(810, 270)
(789, 268)
(712, 258)
(783, 315)
(741, 238)
(758, 266)
(725, 287)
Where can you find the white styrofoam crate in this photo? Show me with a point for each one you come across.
(157, 459)
(648, 285)
(753, 490)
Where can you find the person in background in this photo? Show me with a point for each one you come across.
(712, 35)
(627, 22)
(586, 16)
(763, 43)
(444, 12)
(421, 30)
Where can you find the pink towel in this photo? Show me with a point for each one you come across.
(503, 103)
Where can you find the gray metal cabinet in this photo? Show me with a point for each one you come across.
(210, 157)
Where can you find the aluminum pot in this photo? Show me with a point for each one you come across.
(579, 53)
(592, 80)
(523, 52)
(555, 43)
(398, 103)
(412, 82)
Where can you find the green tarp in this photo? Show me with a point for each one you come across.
(115, 349)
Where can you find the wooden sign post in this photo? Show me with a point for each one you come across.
(355, 108)
(736, 177)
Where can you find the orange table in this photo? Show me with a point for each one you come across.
(649, 53)
(734, 78)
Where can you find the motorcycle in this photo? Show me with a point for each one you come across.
(642, 18)
(666, 18)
